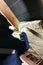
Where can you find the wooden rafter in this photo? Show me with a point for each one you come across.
(8, 13)
(42, 2)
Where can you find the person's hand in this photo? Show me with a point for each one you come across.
(23, 37)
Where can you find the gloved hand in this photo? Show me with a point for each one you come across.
(23, 37)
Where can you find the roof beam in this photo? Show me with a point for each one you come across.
(8, 13)
(42, 2)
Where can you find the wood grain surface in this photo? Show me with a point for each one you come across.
(8, 13)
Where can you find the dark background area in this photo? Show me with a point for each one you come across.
(26, 9)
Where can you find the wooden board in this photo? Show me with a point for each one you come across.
(8, 13)
(31, 59)
(42, 2)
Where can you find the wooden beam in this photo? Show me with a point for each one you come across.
(27, 60)
(42, 2)
(8, 13)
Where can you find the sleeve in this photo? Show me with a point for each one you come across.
(10, 42)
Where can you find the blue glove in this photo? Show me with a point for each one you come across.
(23, 37)
(12, 59)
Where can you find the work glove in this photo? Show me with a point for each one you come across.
(23, 37)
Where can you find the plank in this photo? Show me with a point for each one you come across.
(8, 13)
(42, 2)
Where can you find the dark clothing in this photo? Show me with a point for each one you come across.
(11, 59)
(7, 41)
